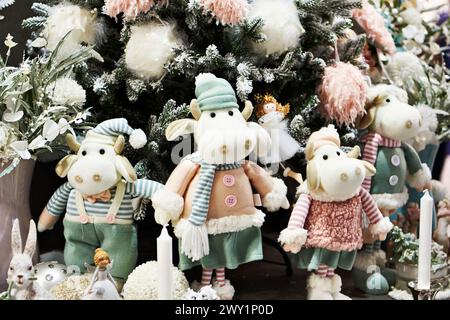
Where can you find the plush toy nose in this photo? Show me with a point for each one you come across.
(248, 144)
(408, 124)
(79, 179)
(344, 176)
(96, 178)
(358, 171)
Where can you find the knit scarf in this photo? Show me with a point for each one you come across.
(194, 241)
(372, 142)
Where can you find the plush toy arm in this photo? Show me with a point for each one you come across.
(55, 207)
(168, 201)
(379, 225)
(294, 236)
(145, 188)
(419, 174)
(272, 190)
(372, 140)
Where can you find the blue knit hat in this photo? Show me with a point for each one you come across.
(214, 93)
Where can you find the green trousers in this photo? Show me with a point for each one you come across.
(119, 241)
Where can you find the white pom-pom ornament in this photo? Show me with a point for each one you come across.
(83, 25)
(149, 48)
(282, 26)
(142, 283)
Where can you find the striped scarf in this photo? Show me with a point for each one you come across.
(202, 193)
(372, 141)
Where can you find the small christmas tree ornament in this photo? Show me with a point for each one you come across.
(149, 48)
(271, 116)
(219, 226)
(342, 93)
(130, 8)
(97, 199)
(226, 12)
(281, 26)
(326, 220)
(102, 286)
(390, 121)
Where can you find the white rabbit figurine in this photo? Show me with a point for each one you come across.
(21, 269)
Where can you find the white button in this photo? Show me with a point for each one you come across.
(393, 180)
(395, 160)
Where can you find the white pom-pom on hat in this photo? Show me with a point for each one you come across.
(138, 139)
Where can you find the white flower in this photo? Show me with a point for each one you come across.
(4, 136)
(9, 43)
(50, 131)
(12, 112)
(414, 32)
(411, 16)
(66, 91)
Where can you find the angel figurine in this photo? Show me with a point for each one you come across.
(102, 286)
(271, 116)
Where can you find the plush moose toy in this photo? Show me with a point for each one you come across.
(327, 217)
(219, 226)
(97, 198)
(389, 120)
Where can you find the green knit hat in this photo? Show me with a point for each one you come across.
(214, 93)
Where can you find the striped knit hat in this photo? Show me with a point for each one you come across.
(214, 93)
(108, 131)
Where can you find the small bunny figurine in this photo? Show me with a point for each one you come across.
(21, 269)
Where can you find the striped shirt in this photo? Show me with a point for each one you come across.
(63, 200)
(372, 142)
(301, 209)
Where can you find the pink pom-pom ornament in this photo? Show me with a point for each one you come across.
(226, 12)
(373, 25)
(343, 93)
(130, 8)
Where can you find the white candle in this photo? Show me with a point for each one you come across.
(164, 256)
(424, 268)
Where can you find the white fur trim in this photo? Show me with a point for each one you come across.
(194, 241)
(398, 294)
(382, 227)
(293, 236)
(336, 285)
(225, 224)
(168, 205)
(322, 196)
(276, 199)
(365, 261)
(380, 256)
(390, 201)
(138, 139)
(419, 179)
(319, 288)
(225, 292)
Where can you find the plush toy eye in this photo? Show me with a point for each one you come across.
(102, 151)
(212, 114)
(11, 268)
(230, 113)
(338, 153)
(29, 268)
(325, 157)
(388, 100)
(83, 152)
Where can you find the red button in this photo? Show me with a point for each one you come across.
(228, 180)
(230, 201)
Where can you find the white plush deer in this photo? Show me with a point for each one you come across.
(21, 269)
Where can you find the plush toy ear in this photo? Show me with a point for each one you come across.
(312, 176)
(63, 166)
(124, 167)
(309, 151)
(179, 128)
(263, 141)
(30, 246)
(119, 144)
(366, 120)
(72, 143)
(354, 153)
(16, 238)
(370, 169)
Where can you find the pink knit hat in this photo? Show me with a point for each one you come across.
(325, 136)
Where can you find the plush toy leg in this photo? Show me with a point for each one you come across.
(319, 286)
(336, 285)
(222, 286)
(206, 277)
